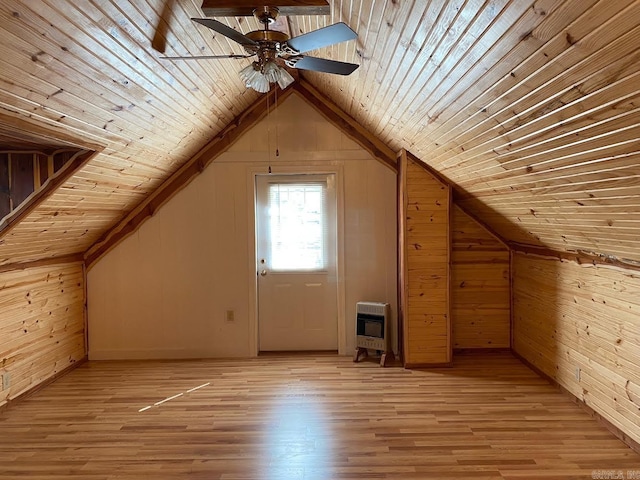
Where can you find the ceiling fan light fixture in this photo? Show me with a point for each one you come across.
(254, 78)
(260, 78)
(271, 71)
(285, 79)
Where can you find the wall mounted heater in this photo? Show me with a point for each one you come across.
(372, 330)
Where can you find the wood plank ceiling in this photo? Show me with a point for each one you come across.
(530, 108)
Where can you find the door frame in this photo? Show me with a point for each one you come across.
(293, 169)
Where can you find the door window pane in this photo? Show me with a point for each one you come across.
(297, 226)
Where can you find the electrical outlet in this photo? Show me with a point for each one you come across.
(231, 316)
(577, 374)
(6, 381)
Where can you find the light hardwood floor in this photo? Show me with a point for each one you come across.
(296, 417)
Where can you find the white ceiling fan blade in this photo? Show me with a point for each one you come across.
(336, 33)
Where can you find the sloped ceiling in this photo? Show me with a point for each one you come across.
(530, 108)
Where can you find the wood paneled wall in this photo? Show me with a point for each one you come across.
(480, 290)
(41, 326)
(579, 324)
(425, 272)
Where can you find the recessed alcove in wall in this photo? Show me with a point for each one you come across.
(23, 172)
(33, 164)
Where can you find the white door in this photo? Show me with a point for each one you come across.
(296, 271)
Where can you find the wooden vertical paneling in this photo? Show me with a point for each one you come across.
(24, 172)
(401, 215)
(579, 325)
(35, 161)
(426, 251)
(5, 198)
(60, 159)
(41, 325)
(43, 166)
(480, 294)
(21, 177)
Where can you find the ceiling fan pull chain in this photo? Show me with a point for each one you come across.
(268, 133)
(277, 122)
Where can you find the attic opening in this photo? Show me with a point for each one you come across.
(24, 172)
(33, 165)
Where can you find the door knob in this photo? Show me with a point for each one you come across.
(263, 272)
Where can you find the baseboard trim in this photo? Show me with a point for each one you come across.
(156, 354)
(481, 351)
(43, 384)
(622, 436)
(298, 353)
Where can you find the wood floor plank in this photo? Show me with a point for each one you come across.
(297, 417)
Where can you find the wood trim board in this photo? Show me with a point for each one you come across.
(402, 251)
(237, 8)
(65, 259)
(347, 124)
(580, 257)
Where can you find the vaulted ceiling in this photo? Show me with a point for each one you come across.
(530, 108)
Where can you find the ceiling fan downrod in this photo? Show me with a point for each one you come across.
(266, 15)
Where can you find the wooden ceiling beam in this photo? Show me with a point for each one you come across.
(44, 262)
(245, 8)
(581, 257)
(347, 124)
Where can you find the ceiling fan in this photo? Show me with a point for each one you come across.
(273, 48)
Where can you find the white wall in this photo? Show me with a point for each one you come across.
(164, 291)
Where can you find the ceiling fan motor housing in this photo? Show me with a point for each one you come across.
(268, 36)
(269, 44)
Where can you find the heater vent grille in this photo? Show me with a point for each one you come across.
(371, 308)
